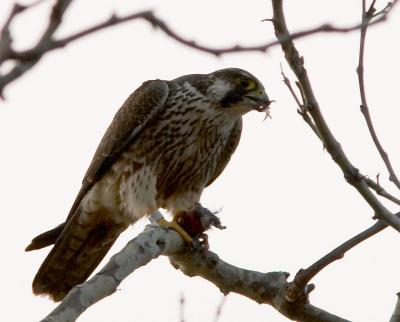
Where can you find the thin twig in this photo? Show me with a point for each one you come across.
(221, 304)
(182, 308)
(306, 117)
(6, 51)
(23, 65)
(380, 191)
(367, 15)
(304, 276)
(301, 110)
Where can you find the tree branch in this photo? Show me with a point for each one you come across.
(304, 276)
(381, 191)
(351, 173)
(27, 59)
(268, 288)
(302, 111)
(367, 15)
(23, 65)
(218, 312)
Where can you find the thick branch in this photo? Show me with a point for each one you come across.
(350, 172)
(269, 288)
(367, 15)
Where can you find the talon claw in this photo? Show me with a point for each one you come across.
(175, 226)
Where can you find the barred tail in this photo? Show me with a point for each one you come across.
(77, 251)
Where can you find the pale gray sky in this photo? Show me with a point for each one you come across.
(283, 199)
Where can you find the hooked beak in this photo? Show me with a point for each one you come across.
(260, 103)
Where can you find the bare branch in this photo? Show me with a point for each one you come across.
(268, 288)
(5, 36)
(367, 15)
(27, 59)
(301, 110)
(380, 191)
(351, 173)
(396, 313)
(304, 276)
(6, 40)
(306, 117)
(23, 66)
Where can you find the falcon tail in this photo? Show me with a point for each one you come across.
(77, 251)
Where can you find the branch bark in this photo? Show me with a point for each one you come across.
(268, 288)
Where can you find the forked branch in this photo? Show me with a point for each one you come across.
(351, 173)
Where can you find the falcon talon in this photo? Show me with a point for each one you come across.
(175, 226)
(168, 141)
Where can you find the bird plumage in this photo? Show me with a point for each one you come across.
(168, 141)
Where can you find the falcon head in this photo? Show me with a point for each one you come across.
(238, 92)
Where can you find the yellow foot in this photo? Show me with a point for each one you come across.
(175, 226)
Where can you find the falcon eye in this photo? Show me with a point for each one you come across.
(247, 84)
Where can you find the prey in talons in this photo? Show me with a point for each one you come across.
(192, 225)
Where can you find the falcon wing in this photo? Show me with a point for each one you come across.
(230, 147)
(140, 108)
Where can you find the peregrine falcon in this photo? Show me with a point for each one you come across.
(168, 141)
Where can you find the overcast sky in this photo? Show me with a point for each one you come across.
(282, 197)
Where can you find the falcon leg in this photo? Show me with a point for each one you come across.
(175, 226)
